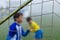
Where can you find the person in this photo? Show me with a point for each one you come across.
(34, 27)
(15, 30)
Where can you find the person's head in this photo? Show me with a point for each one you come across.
(18, 17)
(29, 20)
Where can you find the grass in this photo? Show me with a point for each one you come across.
(50, 32)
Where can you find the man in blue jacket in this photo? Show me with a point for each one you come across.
(15, 30)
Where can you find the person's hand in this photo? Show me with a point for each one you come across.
(30, 29)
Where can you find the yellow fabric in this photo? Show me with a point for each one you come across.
(34, 27)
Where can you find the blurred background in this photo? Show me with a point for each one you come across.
(45, 12)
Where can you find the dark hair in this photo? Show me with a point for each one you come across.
(17, 16)
(28, 19)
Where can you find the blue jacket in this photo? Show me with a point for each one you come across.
(18, 32)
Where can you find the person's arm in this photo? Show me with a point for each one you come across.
(25, 33)
(12, 30)
(10, 35)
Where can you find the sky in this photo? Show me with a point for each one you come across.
(4, 4)
(46, 6)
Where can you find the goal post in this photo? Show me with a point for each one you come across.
(14, 12)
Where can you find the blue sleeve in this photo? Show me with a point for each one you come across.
(25, 33)
(12, 30)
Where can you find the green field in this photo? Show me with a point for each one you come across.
(50, 32)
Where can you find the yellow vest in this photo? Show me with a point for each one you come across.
(34, 27)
